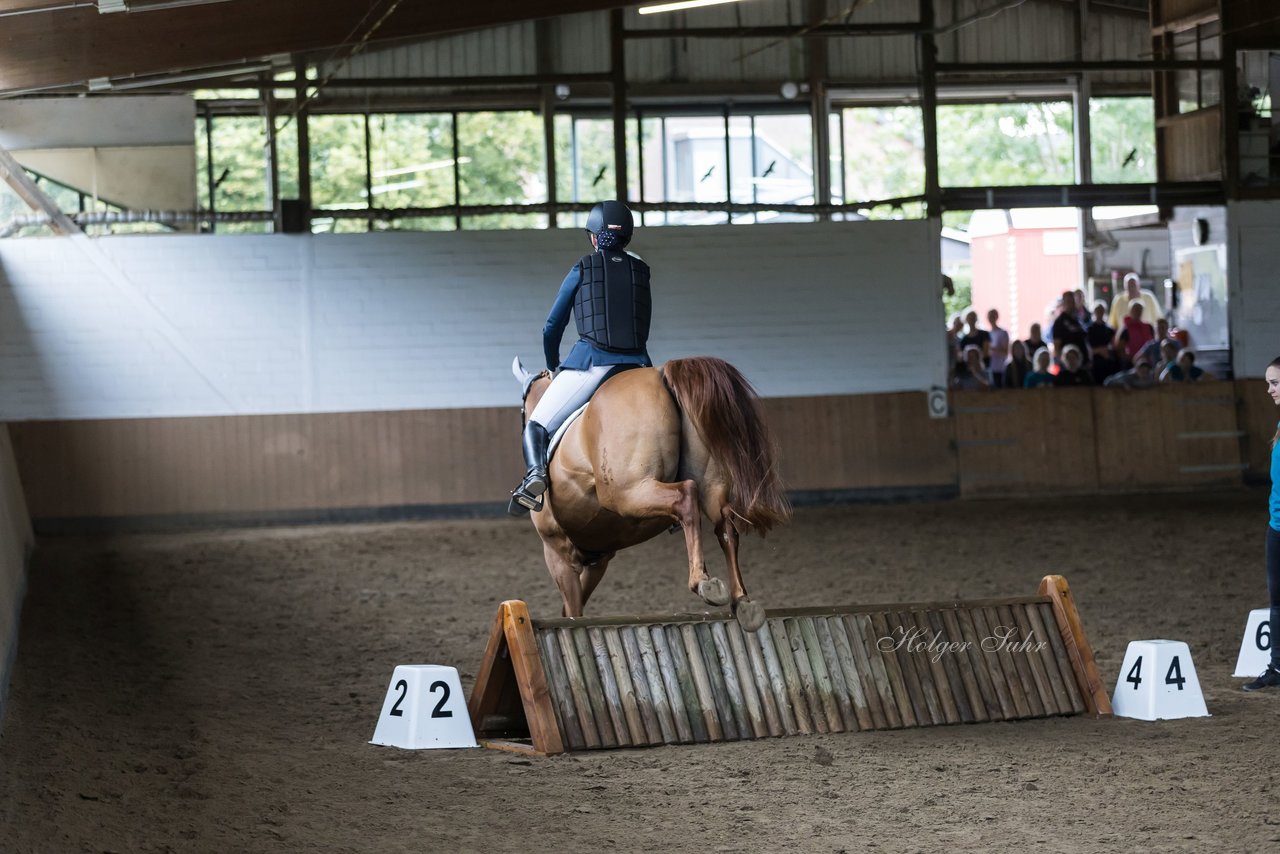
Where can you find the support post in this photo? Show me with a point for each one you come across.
(271, 153)
(618, 79)
(819, 108)
(929, 110)
(542, 39)
(304, 143)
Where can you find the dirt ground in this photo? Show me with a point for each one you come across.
(215, 691)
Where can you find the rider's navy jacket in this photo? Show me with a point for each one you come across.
(584, 354)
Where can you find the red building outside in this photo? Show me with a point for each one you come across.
(1022, 262)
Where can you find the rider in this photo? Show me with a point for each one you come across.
(608, 293)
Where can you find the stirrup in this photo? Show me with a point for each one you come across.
(522, 502)
(528, 495)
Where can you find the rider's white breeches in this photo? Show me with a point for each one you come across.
(568, 391)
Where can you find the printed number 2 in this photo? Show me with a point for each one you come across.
(403, 687)
(1135, 674)
(1174, 676)
(1263, 637)
(438, 712)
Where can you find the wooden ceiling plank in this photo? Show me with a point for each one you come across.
(69, 47)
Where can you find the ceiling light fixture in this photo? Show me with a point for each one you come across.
(682, 4)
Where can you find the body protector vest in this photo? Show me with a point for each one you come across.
(612, 306)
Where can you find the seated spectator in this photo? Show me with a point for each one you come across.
(1184, 370)
(1035, 342)
(1073, 371)
(1169, 351)
(972, 374)
(1136, 333)
(1139, 376)
(1151, 350)
(1040, 376)
(1018, 366)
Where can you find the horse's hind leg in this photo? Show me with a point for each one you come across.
(567, 576)
(591, 574)
(678, 502)
(750, 614)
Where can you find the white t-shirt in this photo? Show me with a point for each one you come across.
(999, 349)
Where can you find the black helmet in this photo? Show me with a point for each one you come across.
(612, 224)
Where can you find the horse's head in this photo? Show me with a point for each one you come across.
(532, 386)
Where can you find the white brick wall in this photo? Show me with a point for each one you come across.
(190, 325)
(1253, 276)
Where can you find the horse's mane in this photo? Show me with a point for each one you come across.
(724, 408)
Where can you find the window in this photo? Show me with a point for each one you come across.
(412, 160)
(584, 163)
(501, 161)
(1024, 144)
(1122, 140)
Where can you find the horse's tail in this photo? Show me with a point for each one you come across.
(725, 411)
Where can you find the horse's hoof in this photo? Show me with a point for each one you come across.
(713, 592)
(750, 615)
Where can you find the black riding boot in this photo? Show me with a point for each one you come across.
(528, 495)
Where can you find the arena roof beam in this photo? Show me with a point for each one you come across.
(1166, 195)
(77, 44)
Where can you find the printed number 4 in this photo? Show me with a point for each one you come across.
(1135, 673)
(438, 712)
(1174, 676)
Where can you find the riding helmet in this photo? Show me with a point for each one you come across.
(611, 223)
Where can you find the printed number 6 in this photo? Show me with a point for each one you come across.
(1263, 637)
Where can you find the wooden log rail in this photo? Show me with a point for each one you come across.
(547, 686)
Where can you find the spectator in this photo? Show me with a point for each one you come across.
(1035, 342)
(999, 349)
(975, 336)
(1136, 333)
(1017, 369)
(1184, 370)
(1067, 331)
(953, 339)
(1133, 291)
(1082, 307)
(1040, 376)
(1168, 355)
(972, 374)
(1151, 350)
(1139, 376)
(1102, 357)
(1073, 372)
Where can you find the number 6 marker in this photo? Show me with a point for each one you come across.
(1255, 646)
(424, 708)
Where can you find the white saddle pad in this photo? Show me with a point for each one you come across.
(559, 434)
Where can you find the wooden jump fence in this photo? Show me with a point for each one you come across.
(547, 686)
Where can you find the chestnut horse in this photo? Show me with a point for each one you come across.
(654, 447)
